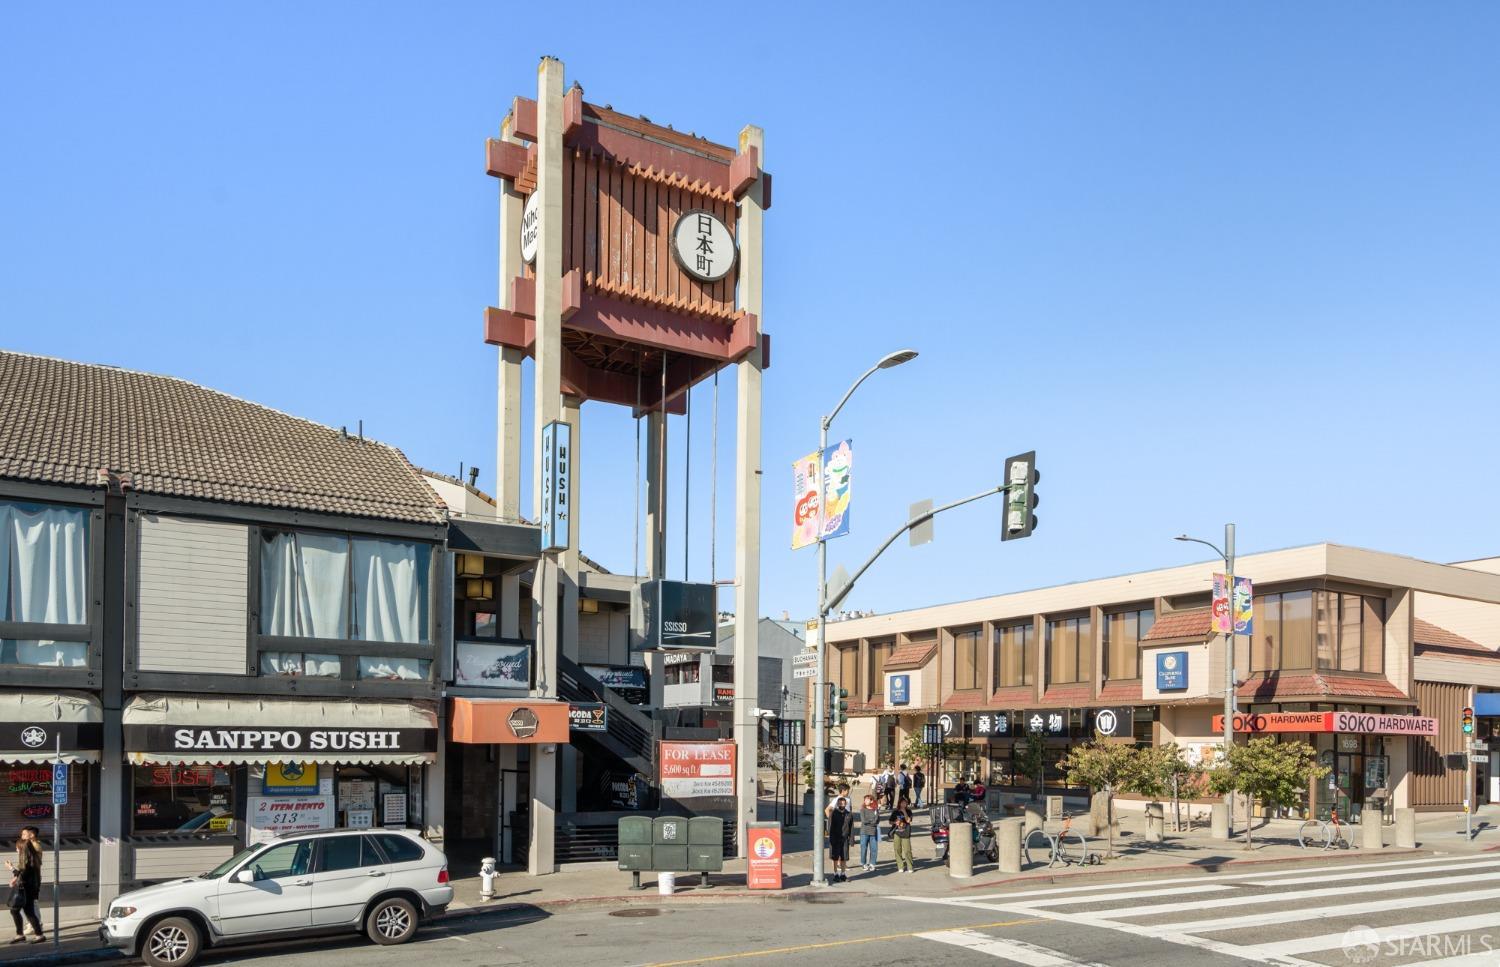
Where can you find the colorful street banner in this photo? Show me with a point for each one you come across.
(837, 460)
(806, 521)
(1242, 622)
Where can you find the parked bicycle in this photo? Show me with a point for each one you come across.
(1327, 834)
(1069, 847)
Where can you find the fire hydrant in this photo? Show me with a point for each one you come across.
(487, 878)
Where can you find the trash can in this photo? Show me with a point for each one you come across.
(666, 883)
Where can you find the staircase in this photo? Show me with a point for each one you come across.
(632, 733)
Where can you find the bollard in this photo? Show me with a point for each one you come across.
(1008, 842)
(1033, 819)
(1219, 821)
(1370, 821)
(961, 849)
(1156, 822)
(1054, 807)
(1098, 813)
(1406, 828)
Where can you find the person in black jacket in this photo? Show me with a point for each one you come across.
(26, 885)
(840, 831)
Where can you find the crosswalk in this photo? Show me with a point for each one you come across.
(1411, 912)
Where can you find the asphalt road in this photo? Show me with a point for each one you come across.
(1410, 911)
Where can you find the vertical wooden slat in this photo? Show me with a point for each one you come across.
(591, 219)
(612, 236)
(663, 257)
(638, 216)
(569, 196)
(580, 210)
(673, 209)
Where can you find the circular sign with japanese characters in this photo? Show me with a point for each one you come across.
(1106, 722)
(703, 245)
(531, 221)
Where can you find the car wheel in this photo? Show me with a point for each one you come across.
(392, 921)
(173, 942)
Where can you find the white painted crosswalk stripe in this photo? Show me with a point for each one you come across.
(1015, 950)
(1325, 913)
(1332, 941)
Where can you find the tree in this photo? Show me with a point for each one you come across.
(1031, 759)
(1265, 770)
(1102, 767)
(1164, 769)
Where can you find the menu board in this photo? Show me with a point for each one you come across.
(395, 809)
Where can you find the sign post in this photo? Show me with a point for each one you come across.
(59, 800)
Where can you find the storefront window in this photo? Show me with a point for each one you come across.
(879, 652)
(967, 660)
(1013, 655)
(687, 674)
(1122, 636)
(43, 580)
(378, 795)
(1350, 632)
(26, 799)
(334, 586)
(1070, 651)
(183, 799)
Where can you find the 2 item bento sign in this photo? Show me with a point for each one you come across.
(271, 817)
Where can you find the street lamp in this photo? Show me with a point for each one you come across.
(1228, 555)
(820, 734)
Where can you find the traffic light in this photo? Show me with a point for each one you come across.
(1021, 476)
(838, 705)
(1468, 721)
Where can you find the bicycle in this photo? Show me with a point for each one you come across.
(1068, 847)
(1329, 832)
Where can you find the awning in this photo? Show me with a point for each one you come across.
(485, 721)
(236, 730)
(31, 723)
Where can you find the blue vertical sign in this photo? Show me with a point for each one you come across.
(556, 485)
(900, 690)
(59, 784)
(1171, 671)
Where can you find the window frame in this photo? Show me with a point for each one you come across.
(1132, 613)
(1083, 648)
(974, 634)
(875, 670)
(91, 632)
(1027, 629)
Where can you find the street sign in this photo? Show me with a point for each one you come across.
(805, 658)
(790, 731)
(1479, 758)
(932, 734)
(59, 784)
(805, 671)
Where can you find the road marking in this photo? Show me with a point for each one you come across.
(1342, 868)
(776, 951)
(1404, 931)
(1323, 913)
(1485, 959)
(1248, 899)
(1017, 950)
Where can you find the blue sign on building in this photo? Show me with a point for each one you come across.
(900, 690)
(1171, 671)
(59, 784)
(556, 485)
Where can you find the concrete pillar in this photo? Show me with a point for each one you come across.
(751, 227)
(1218, 823)
(547, 408)
(508, 422)
(572, 412)
(1156, 822)
(1098, 814)
(1406, 828)
(435, 785)
(1370, 822)
(1008, 842)
(1033, 819)
(114, 775)
(961, 850)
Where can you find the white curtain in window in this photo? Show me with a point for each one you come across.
(5, 526)
(46, 557)
(322, 666)
(304, 586)
(388, 591)
(394, 669)
(54, 654)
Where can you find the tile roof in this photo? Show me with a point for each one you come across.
(966, 700)
(65, 421)
(1427, 633)
(1014, 696)
(1283, 687)
(1079, 694)
(1193, 623)
(913, 654)
(1120, 692)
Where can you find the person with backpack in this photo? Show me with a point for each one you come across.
(26, 885)
(903, 783)
(840, 831)
(918, 783)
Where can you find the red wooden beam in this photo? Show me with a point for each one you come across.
(743, 170)
(504, 159)
(572, 112)
(630, 149)
(523, 118)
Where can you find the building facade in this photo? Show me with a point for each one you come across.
(1368, 656)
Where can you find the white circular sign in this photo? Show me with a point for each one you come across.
(531, 223)
(703, 245)
(1169, 662)
(32, 737)
(946, 722)
(1105, 722)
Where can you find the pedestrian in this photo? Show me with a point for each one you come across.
(869, 835)
(918, 783)
(901, 840)
(26, 885)
(840, 831)
(843, 791)
(903, 783)
(889, 786)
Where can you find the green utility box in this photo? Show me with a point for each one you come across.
(705, 844)
(669, 831)
(671, 844)
(635, 843)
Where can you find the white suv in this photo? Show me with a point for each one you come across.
(379, 881)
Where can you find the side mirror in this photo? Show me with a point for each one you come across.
(246, 875)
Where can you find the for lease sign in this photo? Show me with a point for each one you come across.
(693, 769)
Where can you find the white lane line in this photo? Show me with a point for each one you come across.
(1485, 959)
(1340, 869)
(1127, 895)
(1325, 912)
(1405, 931)
(1353, 875)
(1016, 950)
(1248, 899)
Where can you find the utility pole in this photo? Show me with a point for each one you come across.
(1229, 645)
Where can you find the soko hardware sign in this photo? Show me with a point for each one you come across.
(1358, 723)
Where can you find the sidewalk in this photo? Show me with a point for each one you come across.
(603, 884)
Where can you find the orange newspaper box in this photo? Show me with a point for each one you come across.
(763, 864)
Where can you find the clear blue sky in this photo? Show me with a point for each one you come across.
(1212, 261)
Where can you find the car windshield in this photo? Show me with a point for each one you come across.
(228, 864)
